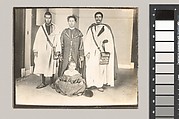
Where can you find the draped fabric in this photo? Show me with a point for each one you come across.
(70, 85)
(97, 75)
(44, 63)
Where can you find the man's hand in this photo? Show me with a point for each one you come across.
(60, 57)
(88, 56)
(81, 58)
(57, 53)
(36, 54)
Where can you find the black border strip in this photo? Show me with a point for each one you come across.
(75, 107)
(176, 86)
(151, 65)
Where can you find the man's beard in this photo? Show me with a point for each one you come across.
(48, 23)
(98, 21)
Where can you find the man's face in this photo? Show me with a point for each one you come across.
(98, 18)
(71, 22)
(48, 19)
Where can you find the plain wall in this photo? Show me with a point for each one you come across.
(28, 40)
(60, 17)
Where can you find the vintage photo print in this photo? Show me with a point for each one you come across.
(75, 57)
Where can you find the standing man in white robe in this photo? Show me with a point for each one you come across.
(98, 75)
(45, 65)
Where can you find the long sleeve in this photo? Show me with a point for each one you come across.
(110, 45)
(81, 47)
(87, 42)
(61, 41)
(37, 40)
(58, 43)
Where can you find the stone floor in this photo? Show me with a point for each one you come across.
(123, 94)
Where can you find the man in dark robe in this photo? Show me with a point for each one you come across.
(72, 46)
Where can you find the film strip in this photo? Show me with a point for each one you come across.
(164, 62)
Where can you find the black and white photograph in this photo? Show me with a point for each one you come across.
(75, 57)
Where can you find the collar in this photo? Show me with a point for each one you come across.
(71, 28)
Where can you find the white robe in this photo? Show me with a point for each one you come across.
(97, 75)
(44, 63)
